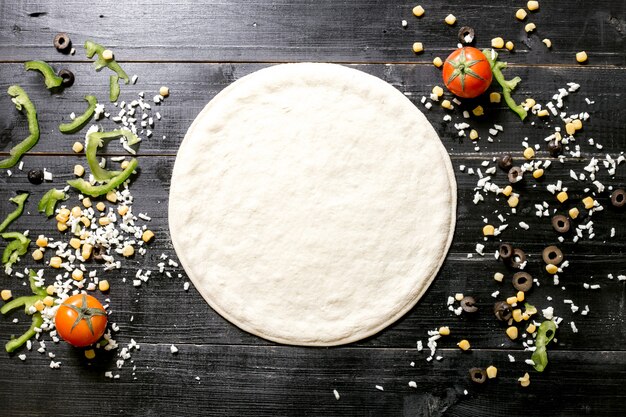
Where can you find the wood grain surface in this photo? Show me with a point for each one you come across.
(199, 48)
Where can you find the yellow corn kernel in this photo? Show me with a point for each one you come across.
(86, 252)
(444, 331)
(50, 290)
(458, 296)
(511, 300)
(509, 45)
(530, 27)
(492, 372)
(48, 301)
(578, 124)
(512, 332)
(63, 215)
(464, 344)
(85, 221)
(164, 91)
(570, 129)
(521, 14)
(531, 328)
(574, 212)
(418, 11)
(112, 196)
(76, 212)
(418, 47)
(6, 294)
(100, 206)
(103, 285)
(77, 147)
(543, 113)
(107, 55)
(42, 241)
(78, 275)
(450, 19)
(495, 97)
(532, 5)
(37, 255)
(438, 91)
(147, 236)
(447, 105)
(473, 135)
(128, 251)
(497, 43)
(478, 111)
(90, 354)
(520, 296)
(489, 230)
(562, 196)
(498, 276)
(75, 243)
(79, 170)
(547, 42)
(103, 221)
(86, 202)
(538, 173)
(122, 210)
(39, 305)
(124, 164)
(588, 202)
(507, 190)
(581, 57)
(529, 103)
(513, 201)
(557, 136)
(525, 380)
(437, 62)
(529, 153)
(552, 269)
(61, 227)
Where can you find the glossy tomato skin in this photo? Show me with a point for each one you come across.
(81, 335)
(473, 76)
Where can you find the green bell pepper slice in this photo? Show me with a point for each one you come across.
(22, 102)
(96, 140)
(79, 122)
(16, 248)
(507, 86)
(93, 48)
(19, 200)
(114, 88)
(545, 334)
(98, 190)
(51, 79)
(49, 201)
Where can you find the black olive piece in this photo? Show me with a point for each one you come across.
(518, 258)
(502, 310)
(555, 148)
(505, 162)
(560, 223)
(505, 251)
(62, 42)
(522, 281)
(515, 174)
(552, 255)
(478, 375)
(68, 77)
(466, 35)
(35, 176)
(468, 304)
(98, 251)
(618, 197)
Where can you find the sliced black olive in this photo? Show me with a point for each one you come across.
(505, 251)
(552, 255)
(560, 223)
(62, 42)
(555, 148)
(518, 258)
(502, 310)
(468, 304)
(68, 77)
(618, 198)
(466, 35)
(98, 251)
(515, 174)
(478, 375)
(35, 176)
(522, 281)
(505, 162)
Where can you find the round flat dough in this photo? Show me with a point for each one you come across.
(311, 204)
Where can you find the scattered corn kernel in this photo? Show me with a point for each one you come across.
(90, 354)
(63, 216)
(78, 275)
(55, 262)
(497, 43)
(520, 296)
(164, 91)
(79, 170)
(464, 344)
(574, 212)
(450, 19)
(525, 380)
(147, 236)
(552, 269)
(570, 129)
(6, 294)
(489, 230)
(50, 290)
(547, 42)
(100, 206)
(473, 135)
(513, 201)
(458, 296)
(76, 212)
(61, 227)
(438, 91)
(511, 300)
(86, 202)
(578, 124)
(543, 113)
(444, 331)
(122, 210)
(124, 164)
(39, 305)
(507, 190)
(48, 301)
(538, 173)
(512, 332)
(529, 103)
(495, 97)
(531, 328)
(562, 196)
(509, 45)
(103, 221)
(112, 196)
(492, 372)
(478, 111)
(37, 255)
(530, 27)
(86, 252)
(42, 241)
(85, 221)
(557, 136)
(103, 285)
(521, 14)
(437, 62)
(581, 57)
(446, 104)
(529, 153)
(498, 276)
(532, 5)
(75, 243)
(128, 251)
(588, 202)
(107, 54)
(418, 11)
(77, 147)
(418, 47)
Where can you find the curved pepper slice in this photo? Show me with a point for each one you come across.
(49, 201)
(19, 200)
(114, 88)
(98, 190)
(80, 121)
(96, 140)
(507, 86)
(16, 248)
(51, 79)
(93, 48)
(22, 102)
(540, 355)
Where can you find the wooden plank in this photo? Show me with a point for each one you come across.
(273, 380)
(194, 85)
(301, 30)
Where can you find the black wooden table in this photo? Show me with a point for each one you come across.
(199, 47)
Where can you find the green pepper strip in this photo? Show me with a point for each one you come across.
(98, 190)
(540, 355)
(507, 86)
(21, 101)
(17, 247)
(19, 200)
(80, 121)
(51, 79)
(49, 201)
(26, 301)
(96, 140)
(114, 88)
(93, 48)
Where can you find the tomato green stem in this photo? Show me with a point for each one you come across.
(51, 79)
(80, 121)
(22, 102)
(19, 200)
(507, 86)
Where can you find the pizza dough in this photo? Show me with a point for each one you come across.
(311, 204)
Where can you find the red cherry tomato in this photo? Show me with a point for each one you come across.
(467, 72)
(81, 320)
